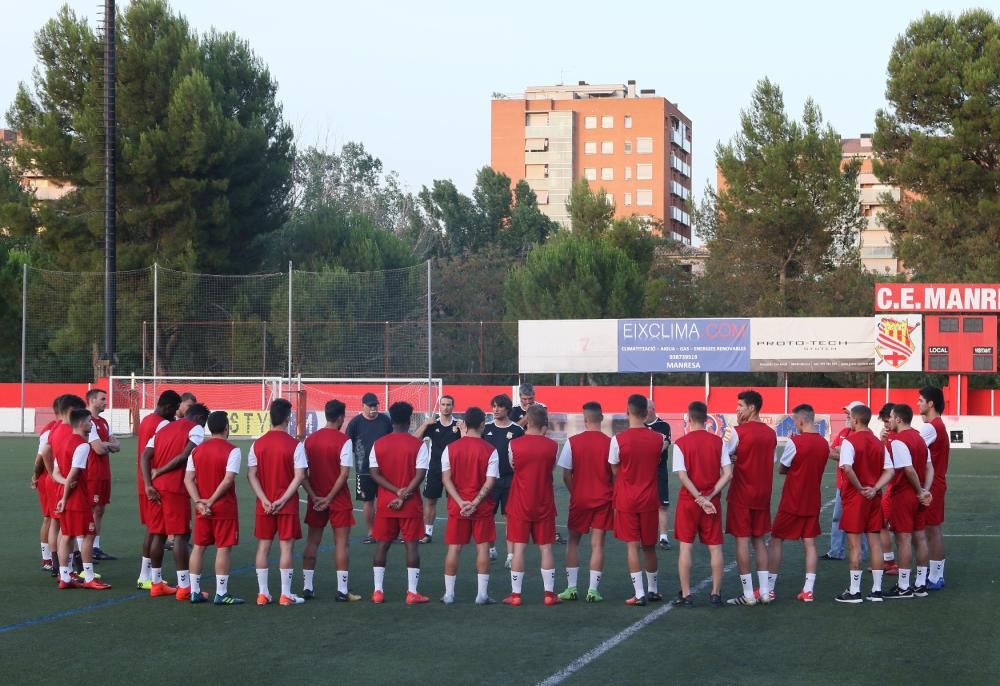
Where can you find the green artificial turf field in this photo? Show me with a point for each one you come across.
(121, 635)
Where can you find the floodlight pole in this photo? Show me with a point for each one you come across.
(110, 150)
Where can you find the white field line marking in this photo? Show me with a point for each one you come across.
(594, 653)
(972, 535)
(974, 476)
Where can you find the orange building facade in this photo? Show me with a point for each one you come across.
(633, 145)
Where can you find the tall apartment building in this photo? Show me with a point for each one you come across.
(875, 241)
(632, 144)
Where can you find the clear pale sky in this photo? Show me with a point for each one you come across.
(413, 80)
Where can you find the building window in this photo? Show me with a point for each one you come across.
(628, 147)
(607, 147)
(536, 144)
(607, 122)
(536, 171)
(537, 119)
(644, 198)
(628, 173)
(590, 174)
(628, 121)
(643, 172)
(590, 148)
(542, 197)
(607, 174)
(610, 198)
(643, 145)
(628, 200)
(590, 122)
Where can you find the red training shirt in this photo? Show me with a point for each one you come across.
(532, 498)
(637, 452)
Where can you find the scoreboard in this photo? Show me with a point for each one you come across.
(960, 344)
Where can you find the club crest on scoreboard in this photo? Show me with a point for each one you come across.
(898, 343)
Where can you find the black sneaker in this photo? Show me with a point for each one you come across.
(920, 592)
(896, 592)
(77, 562)
(664, 544)
(828, 556)
(347, 597)
(101, 555)
(716, 600)
(683, 601)
(848, 597)
(559, 538)
(874, 597)
(654, 597)
(307, 593)
(169, 545)
(426, 539)
(368, 540)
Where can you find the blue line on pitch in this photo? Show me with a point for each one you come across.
(115, 601)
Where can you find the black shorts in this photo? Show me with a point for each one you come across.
(366, 488)
(433, 486)
(500, 492)
(661, 483)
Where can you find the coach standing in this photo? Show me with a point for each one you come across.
(364, 430)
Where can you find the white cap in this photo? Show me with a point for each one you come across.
(851, 405)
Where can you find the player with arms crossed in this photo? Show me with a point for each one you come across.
(470, 467)
(102, 444)
(634, 456)
(531, 511)
(441, 432)
(499, 433)
(398, 463)
(703, 467)
(867, 468)
(210, 480)
(930, 404)
(802, 463)
(587, 475)
(752, 444)
(330, 454)
(276, 466)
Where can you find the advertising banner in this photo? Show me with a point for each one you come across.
(683, 345)
(548, 346)
(898, 343)
(812, 344)
(937, 297)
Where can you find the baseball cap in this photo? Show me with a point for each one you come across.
(849, 406)
(372, 399)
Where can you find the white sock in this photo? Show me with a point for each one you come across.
(747, 581)
(516, 578)
(97, 541)
(937, 569)
(637, 584)
(88, 571)
(262, 582)
(286, 581)
(904, 579)
(64, 574)
(921, 576)
(79, 542)
(412, 579)
(772, 581)
(449, 585)
(342, 575)
(183, 578)
(46, 552)
(941, 570)
(876, 579)
(483, 585)
(221, 584)
(156, 575)
(664, 536)
(195, 584)
(651, 582)
(572, 574)
(429, 529)
(145, 570)
(510, 556)
(307, 578)
(379, 573)
(549, 580)
(810, 583)
(889, 557)
(762, 580)
(595, 580)
(855, 581)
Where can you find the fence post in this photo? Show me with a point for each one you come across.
(289, 325)
(430, 345)
(24, 332)
(156, 324)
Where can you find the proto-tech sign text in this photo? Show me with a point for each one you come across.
(683, 345)
(937, 297)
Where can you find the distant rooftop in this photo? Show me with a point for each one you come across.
(585, 91)
(857, 146)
